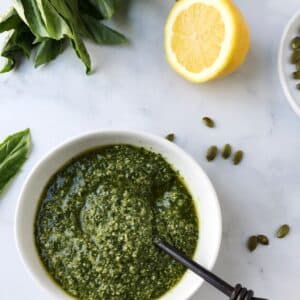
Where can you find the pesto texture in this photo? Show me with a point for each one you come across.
(98, 217)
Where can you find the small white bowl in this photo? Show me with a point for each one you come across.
(206, 202)
(285, 67)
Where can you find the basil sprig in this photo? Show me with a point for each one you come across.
(13, 153)
(48, 24)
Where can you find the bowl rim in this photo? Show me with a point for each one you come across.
(155, 139)
(280, 62)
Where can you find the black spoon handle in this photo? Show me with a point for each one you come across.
(234, 293)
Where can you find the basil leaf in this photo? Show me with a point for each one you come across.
(29, 12)
(67, 9)
(107, 7)
(90, 9)
(9, 21)
(13, 153)
(19, 42)
(9, 64)
(43, 19)
(102, 34)
(70, 12)
(48, 50)
(56, 26)
(81, 52)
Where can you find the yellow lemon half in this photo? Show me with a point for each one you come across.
(206, 39)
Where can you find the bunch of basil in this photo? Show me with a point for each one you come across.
(48, 24)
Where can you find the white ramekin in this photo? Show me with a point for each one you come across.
(285, 67)
(206, 202)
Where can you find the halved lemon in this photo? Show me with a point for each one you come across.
(206, 39)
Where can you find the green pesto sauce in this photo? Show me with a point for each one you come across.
(97, 219)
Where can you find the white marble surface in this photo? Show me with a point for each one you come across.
(134, 88)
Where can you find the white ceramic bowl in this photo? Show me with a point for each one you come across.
(198, 183)
(285, 67)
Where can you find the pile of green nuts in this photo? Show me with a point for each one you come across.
(295, 58)
(212, 151)
(261, 239)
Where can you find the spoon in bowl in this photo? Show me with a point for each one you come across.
(234, 293)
